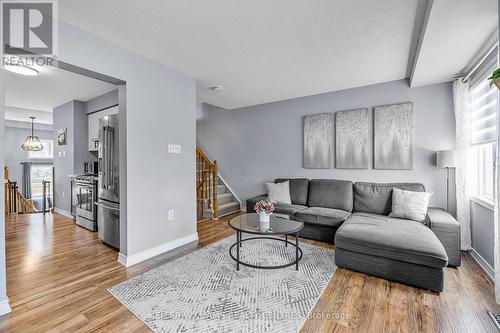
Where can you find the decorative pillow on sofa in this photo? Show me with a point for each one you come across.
(410, 205)
(279, 192)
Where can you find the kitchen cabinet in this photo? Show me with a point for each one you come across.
(94, 125)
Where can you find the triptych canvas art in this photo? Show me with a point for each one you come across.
(317, 141)
(392, 138)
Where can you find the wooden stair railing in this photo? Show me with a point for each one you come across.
(207, 180)
(15, 202)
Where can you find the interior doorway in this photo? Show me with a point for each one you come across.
(57, 148)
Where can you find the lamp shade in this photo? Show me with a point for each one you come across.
(445, 159)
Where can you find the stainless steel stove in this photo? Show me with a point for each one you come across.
(86, 197)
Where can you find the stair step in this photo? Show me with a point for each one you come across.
(224, 198)
(225, 209)
(221, 189)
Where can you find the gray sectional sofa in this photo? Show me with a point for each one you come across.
(354, 216)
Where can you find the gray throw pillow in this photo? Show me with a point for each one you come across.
(410, 205)
(279, 192)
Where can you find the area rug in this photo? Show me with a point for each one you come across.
(203, 291)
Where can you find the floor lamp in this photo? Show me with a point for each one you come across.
(446, 159)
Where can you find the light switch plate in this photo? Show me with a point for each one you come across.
(174, 149)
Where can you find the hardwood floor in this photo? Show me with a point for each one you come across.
(58, 275)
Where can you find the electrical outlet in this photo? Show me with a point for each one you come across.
(170, 215)
(174, 149)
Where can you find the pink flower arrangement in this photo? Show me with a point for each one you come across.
(264, 207)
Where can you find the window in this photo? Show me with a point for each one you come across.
(46, 153)
(483, 120)
(483, 166)
(40, 173)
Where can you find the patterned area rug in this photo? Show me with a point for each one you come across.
(203, 292)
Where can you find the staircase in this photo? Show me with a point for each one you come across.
(213, 197)
(227, 203)
(14, 201)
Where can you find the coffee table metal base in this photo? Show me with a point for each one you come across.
(239, 241)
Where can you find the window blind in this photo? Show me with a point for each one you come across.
(483, 107)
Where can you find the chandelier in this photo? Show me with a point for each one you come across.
(32, 142)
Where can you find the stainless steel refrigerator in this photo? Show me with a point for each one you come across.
(108, 204)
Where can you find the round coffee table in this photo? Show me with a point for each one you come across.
(249, 224)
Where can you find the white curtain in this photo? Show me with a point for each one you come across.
(460, 103)
(496, 248)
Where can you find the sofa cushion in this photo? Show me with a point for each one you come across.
(286, 209)
(377, 198)
(330, 193)
(410, 205)
(279, 192)
(299, 189)
(323, 216)
(397, 239)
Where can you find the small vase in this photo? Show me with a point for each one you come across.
(264, 222)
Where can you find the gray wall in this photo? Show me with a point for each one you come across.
(482, 229)
(161, 108)
(14, 154)
(72, 116)
(102, 102)
(64, 117)
(257, 144)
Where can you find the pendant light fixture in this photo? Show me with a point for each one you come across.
(32, 142)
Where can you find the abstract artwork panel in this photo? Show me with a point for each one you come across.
(318, 141)
(351, 139)
(393, 137)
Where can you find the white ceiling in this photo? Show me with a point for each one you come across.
(455, 32)
(20, 114)
(51, 88)
(262, 51)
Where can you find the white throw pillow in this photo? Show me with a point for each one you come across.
(279, 193)
(410, 204)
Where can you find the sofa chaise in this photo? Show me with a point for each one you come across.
(355, 216)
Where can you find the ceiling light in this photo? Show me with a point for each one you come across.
(24, 70)
(32, 142)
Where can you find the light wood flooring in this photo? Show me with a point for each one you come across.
(58, 273)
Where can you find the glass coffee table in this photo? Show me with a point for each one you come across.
(249, 224)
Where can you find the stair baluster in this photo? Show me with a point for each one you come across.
(207, 179)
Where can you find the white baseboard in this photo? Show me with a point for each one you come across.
(483, 264)
(63, 212)
(128, 261)
(4, 307)
(122, 259)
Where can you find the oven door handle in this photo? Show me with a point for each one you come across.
(98, 204)
(85, 186)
